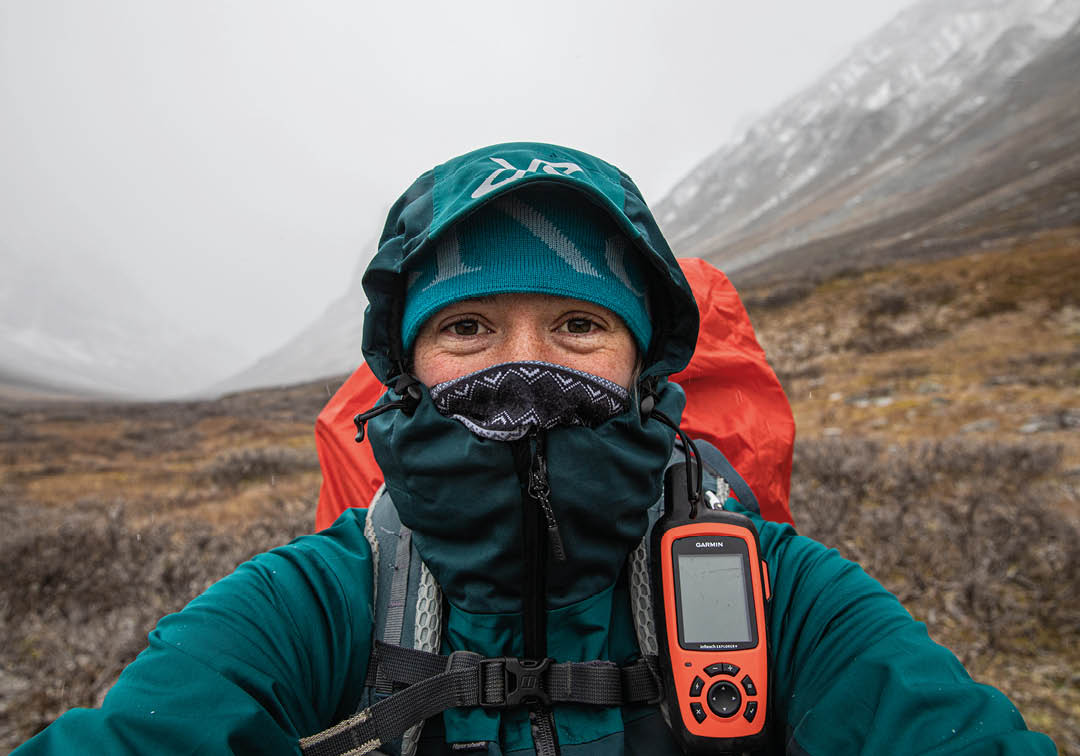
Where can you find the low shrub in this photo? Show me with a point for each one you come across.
(78, 597)
(234, 468)
(961, 528)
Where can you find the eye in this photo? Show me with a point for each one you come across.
(465, 327)
(579, 325)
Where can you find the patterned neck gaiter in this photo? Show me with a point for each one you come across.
(508, 401)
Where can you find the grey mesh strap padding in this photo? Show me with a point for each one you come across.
(373, 540)
(427, 629)
(641, 598)
(427, 634)
(464, 679)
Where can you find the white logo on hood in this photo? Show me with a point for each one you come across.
(490, 184)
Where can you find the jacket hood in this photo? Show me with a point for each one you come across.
(449, 192)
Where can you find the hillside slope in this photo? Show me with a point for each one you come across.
(950, 112)
(82, 328)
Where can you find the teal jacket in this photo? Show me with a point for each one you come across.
(278, 650)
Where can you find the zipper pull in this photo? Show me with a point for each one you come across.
(541, 493)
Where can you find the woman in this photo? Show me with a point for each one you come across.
(526, 312)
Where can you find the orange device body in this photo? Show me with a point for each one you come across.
(715, 588)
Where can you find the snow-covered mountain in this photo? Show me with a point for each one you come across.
(79, 328)
(918, 121)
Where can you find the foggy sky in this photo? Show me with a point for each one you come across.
(235, 159)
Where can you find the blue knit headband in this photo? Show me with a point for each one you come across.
(533, 240)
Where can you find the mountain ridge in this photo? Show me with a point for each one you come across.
(328, 346)
(859, 144)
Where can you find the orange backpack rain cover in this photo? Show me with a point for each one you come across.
(733, 400)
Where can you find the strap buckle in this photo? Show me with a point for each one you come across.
(523, 682)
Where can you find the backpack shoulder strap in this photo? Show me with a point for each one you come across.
(718, 467)
(407, 599)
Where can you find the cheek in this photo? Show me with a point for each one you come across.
(433, 364)
(617, 368)
(616, 361)
(623, 363)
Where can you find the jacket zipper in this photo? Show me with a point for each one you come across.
(539, 531)
(540, 491)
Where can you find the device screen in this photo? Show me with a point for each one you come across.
(714, 608)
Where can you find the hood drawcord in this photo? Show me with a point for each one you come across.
(407, 387)
(695, 482)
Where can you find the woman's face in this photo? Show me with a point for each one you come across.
(474, 334)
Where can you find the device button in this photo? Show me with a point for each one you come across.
(751, 711)
(696, 686)
(698, 711)
(724, 699)
(748, 686)
(721, 668)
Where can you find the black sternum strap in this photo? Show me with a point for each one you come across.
(465, 679)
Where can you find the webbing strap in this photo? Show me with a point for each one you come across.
(407, 666)
(465, 679)
(395, 612)
(395, 609)
(456, 685)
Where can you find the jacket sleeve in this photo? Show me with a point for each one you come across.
(267, 655)
(853, 672)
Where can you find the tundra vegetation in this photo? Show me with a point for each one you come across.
(939, 445)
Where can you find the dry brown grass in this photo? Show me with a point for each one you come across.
(969, 535)
(115, 514)
(987, 344)
(938, 409)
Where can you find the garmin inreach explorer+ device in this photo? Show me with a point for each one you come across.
(710, 594)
